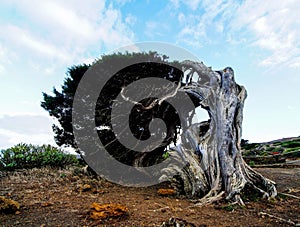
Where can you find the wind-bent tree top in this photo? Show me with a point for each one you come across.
(59, 105)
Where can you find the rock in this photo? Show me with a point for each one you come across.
(103, 211)
(8, 206)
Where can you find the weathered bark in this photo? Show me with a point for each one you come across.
(212, 148)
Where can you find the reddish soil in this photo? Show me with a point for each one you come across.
(50, 197)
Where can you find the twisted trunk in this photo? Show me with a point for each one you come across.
(212, 148)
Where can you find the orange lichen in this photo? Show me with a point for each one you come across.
(166, 191)
(102, 211)
(8, 205)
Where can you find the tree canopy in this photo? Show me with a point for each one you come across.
(151, 64)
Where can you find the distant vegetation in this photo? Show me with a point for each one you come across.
(26, 156)
(279, 149)
(30, 156)
(282, 146)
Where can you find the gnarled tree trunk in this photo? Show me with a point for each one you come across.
(212, 149)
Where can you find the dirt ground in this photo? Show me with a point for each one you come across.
(50, 197)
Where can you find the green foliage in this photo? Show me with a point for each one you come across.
(291, 144)
(59, 105)
(278, 149)
(263, 149)
(269, 148)
(30, 156)
(288, 150)
(166, 155)
(250, 146)
(251, 163)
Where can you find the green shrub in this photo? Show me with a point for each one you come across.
(291, 144)
(278, 149)
(29, 156)
(270, 149)
(288, 150)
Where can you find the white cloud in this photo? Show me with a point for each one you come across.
(295, 63)
(26, 123)
(25, 128)
(192, 4)
(44, 38)
(272, 26)
(122, 2)
(2, 69)
(22, 38)
(10, 138)
(5, 59)
(275, 27)
(65, 30)
(153, 29)
(130, 20)
(181, 18)
(212, 18)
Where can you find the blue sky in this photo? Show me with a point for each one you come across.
(260, 40)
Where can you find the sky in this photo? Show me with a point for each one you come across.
(40, 40)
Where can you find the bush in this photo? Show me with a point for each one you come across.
(250, 146)
(291, 144)
(29, 156)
